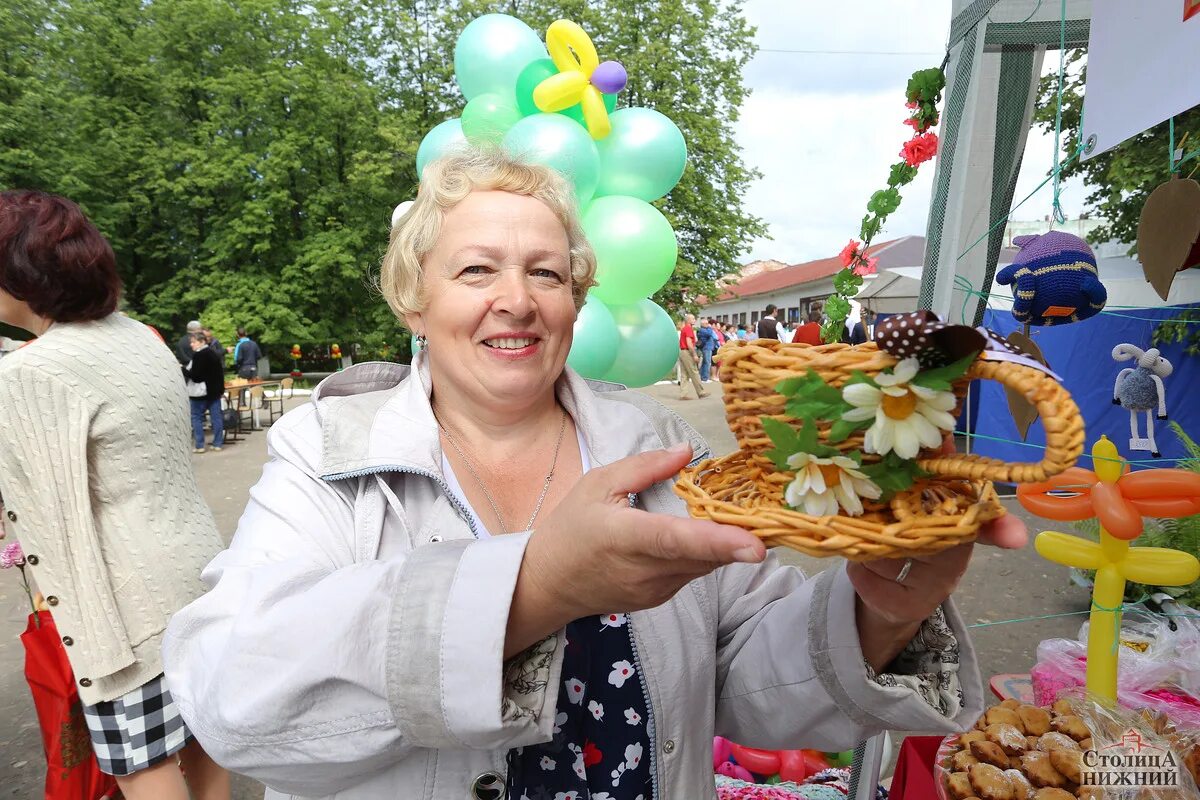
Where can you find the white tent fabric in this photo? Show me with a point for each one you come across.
(996, 49)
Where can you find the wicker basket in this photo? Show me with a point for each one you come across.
(746, 489)
(933, 515)
(750, 372)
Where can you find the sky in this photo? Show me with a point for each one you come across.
(823, 128)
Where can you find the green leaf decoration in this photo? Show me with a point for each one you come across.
(847, 282)
(893, 474)
(842, 428)
(788, 441)
(784, 437)
(941, 378)
(871, 225)
(809, 397)
(858, 376)
(901, 174)
(884, 202)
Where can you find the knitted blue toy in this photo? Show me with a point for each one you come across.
(1056, 280)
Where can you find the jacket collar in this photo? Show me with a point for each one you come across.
(377, 417)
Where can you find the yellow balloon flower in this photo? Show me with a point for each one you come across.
(581, 77)
(1118, 498)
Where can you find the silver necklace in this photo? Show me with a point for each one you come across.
(491, 501)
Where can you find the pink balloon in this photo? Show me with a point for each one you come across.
(731, 770)
(722, 747)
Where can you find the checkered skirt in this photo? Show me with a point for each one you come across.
(137, 730)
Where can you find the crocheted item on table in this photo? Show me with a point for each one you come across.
(829, 784)
(1054, 279)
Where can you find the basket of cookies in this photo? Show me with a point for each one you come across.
(841, 447)
(1075, 749)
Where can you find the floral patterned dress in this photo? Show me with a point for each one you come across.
(602, 744)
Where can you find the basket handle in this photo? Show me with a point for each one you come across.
(1060, 418)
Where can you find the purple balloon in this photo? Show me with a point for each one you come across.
(610, 77)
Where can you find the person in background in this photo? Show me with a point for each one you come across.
(809, 332)
(206, 373)
(706, 344)
(719, 331)
(246, 354)
(689, 359)
(98, 483)
(742, 333)
(215, 344)
(864, 329)
(183, 349)
(768, 326)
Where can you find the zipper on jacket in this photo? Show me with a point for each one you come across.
(650, 727)
(459, 508)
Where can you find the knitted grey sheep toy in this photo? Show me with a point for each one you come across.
(1141, 389)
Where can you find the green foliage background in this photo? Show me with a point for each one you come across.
(244, 157)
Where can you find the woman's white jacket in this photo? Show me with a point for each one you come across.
(351, 643)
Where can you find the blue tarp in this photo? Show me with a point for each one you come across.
(1082, 354)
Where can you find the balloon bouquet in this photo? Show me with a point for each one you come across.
(555, 104)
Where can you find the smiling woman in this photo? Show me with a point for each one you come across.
(467, 578)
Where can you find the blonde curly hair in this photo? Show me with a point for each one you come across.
(446, 183)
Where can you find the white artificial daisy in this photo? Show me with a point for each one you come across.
(907, 417)
(823, 484)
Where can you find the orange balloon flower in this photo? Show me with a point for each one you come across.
(1115, 496)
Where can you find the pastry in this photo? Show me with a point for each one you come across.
(1069, 763)
(1072, 726)
(1022, 788)
(990, 783)
(1035, 721)
(1010, 738)
(1012, 703)
(959, 785)
(1056, 741)
(1037, 767)
(972, 736)
(1051, 793)
(1062, 707)
(998, 714)
(990, 753)
(962, 760)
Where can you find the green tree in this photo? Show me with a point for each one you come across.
(244, 158)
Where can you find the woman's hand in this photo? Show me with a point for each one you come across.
(595, 555)
(890, 612)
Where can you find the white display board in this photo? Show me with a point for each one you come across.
(1142, 68)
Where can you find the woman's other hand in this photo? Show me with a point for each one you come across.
(890, 611)
(594, 554)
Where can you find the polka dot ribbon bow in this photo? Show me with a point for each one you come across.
(934, 343)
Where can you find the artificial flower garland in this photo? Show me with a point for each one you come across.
(924, 92)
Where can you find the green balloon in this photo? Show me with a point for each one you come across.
(643, 157)
(441, 140)
(594, 347)
(491, 52)
(536, 72)
(649, 344)
(488, 117)
(635, 248)
(559, 143)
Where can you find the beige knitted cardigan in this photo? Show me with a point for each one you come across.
(97, 483)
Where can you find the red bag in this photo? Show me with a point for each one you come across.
(913, 778)
(71, 769)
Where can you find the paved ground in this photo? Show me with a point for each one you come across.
(999, 586)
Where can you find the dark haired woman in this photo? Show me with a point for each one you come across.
(96, 476)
